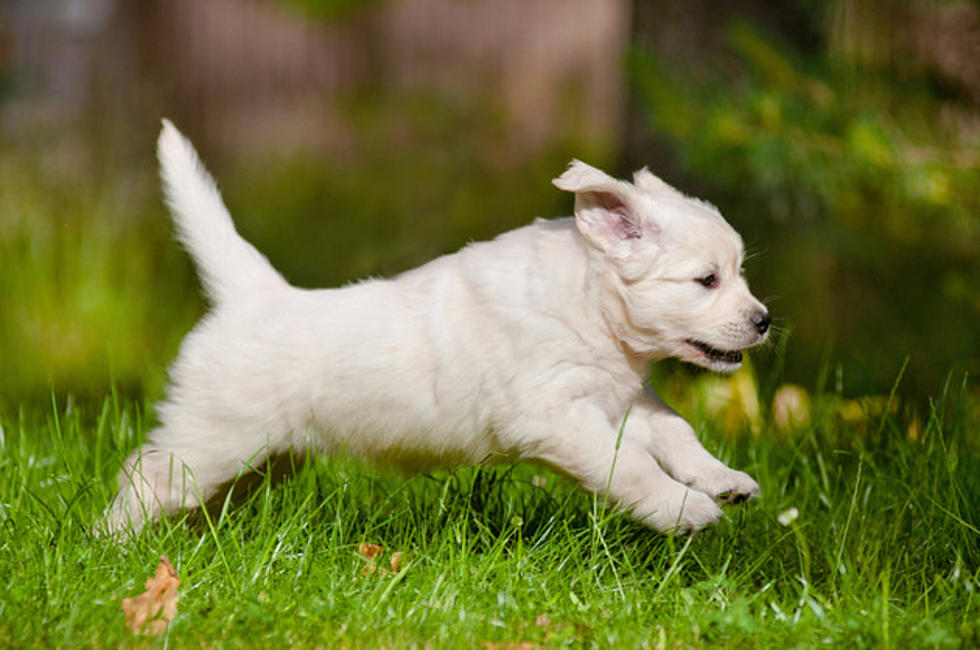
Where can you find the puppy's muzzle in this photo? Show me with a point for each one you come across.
(761, 320)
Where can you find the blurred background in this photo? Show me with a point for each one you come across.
(363, 137)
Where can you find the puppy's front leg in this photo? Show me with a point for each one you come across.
(672, 441)
(582, 443)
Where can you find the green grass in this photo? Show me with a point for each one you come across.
(884, 552)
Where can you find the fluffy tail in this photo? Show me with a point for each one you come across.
(228, 264)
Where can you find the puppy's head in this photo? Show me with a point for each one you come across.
(670, 268)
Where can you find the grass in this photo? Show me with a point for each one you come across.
(884, 553)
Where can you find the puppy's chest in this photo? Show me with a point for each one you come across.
(609, 389)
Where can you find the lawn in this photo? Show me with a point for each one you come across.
(884, 552)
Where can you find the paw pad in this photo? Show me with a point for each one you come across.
(735, 498)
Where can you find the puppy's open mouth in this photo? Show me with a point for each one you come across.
(715, 355)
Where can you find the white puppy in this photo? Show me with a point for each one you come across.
(532, 346)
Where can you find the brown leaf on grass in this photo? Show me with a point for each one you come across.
(151, 612)
(371, 553)
(397, 561)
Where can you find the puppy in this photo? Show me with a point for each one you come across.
(532, 346)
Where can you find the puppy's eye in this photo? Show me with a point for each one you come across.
(709, 281)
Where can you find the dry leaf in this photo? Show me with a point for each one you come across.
(151, 612)
(397, 561)
(370, 552)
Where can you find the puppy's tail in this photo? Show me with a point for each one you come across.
(228, 264)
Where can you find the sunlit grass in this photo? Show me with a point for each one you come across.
(883, 553)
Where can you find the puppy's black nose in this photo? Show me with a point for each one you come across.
(761, 321)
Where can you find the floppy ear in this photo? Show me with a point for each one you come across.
(646, 181)
(604, 207)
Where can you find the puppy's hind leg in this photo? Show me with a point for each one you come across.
(153, 481)
(164, 476)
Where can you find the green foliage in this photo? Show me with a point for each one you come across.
(405, 198)
(331, 9)
(93, 288)
(884, 552)
(859, 188)
(96, 289)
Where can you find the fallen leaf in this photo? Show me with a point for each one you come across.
(368, 551)
(397, 561)
(151, 612)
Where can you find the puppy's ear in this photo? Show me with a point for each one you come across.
(605, 208)
(646, 181)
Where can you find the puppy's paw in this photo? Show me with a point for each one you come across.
(685, 513)
(725, 485)
(697, 512)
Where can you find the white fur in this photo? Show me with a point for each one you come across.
(531, 346)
